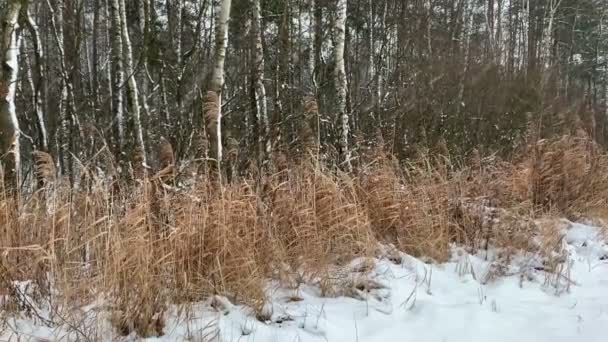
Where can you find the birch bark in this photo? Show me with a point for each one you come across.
(217, 78)
(340, 83)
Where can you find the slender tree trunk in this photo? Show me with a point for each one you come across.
(37, 83)
(109, 69)
(548, 36)
(117, 73)
(604, 52)
(429, 27)
(144, 28)
(371, 50)
(498, 34)
(133, 98)
(491, 45)
(66, 104)
(32, 88)
(466, 46)
(166, 117)
(10, 155)
(340, 83)
(259, 88)
(282, 79)
(175, 10)
(318, 38)
(379, 58)
(312, 35)
(95, 55)
(532, 36)
(217, 81)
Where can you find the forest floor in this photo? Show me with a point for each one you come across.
(472, 297)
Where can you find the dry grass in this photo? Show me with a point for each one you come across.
(150, 244)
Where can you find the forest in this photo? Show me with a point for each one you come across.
(241, 82)
(169, 151)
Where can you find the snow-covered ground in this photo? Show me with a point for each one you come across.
(409, 300)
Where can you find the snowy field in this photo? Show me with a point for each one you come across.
(405, 300)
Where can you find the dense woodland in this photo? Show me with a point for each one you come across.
(107, 83)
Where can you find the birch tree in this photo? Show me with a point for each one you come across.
(312, 62)
(117, 73)
(217, 82)
(340, 82)
(10, 155)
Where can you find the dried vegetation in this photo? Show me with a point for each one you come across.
(157, 243)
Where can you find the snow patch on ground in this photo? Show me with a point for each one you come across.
(471, 298)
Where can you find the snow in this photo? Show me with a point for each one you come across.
(405, 299)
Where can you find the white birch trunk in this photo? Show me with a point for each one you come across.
(340, 81)
(10, 155)
(64, 128)
(118, 72)
(312, 35)
(133, 102)
(217, 79)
